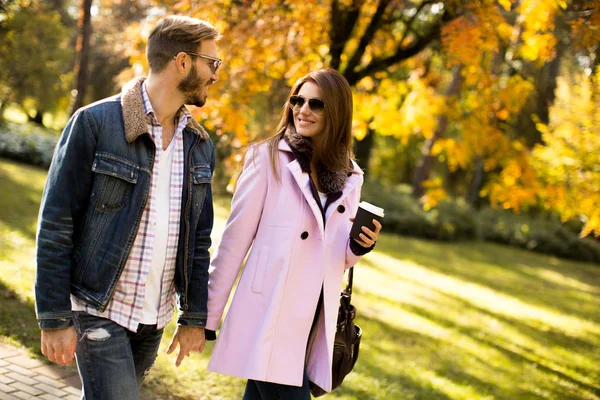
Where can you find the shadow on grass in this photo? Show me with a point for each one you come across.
(519, 354)
(529, 277)
(393, 383)
(450, 358)
(17, 319)
(543, 337)
(20, 201)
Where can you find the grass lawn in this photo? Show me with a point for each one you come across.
(441, 321)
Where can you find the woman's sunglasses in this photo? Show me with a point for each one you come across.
(315, 105)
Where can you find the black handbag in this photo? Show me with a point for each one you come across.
(347, 341)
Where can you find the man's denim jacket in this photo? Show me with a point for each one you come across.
(97, 188)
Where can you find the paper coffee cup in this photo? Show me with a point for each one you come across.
(365, 215)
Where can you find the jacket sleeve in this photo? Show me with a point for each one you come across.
(246, 210)
(359, 250)
(354, 251)
(64, 201)
(195, 315)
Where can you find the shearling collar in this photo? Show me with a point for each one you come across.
(330, 181)
(134, 117)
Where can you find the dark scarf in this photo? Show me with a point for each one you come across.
(330, 181)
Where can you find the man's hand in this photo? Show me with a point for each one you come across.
(59, 345)
(189, 338)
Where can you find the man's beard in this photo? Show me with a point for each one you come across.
(190, 87)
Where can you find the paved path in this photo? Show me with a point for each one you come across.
(22, 377)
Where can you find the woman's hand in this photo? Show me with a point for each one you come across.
(368, 238)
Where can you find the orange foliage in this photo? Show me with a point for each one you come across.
(586, 30)
(563, 174)
(268, 44)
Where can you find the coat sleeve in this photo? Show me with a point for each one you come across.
(63, 204)
(246, 210)
(354, 251)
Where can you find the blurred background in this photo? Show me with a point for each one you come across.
(477, 126)
(459, 104)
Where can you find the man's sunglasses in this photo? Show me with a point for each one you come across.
(214, 65)
(316, 105)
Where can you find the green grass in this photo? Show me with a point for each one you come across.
(20, 192)
(441, 321)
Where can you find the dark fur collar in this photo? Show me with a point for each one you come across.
(330, 181)
(134, 118)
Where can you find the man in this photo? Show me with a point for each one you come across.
(126, 217)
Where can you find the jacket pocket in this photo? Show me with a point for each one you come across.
(201, 174)
(201, 178)
(261, 269)
(115, 179)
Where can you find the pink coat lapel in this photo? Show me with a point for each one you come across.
(302, 180)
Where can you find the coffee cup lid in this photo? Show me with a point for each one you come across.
(371, 208)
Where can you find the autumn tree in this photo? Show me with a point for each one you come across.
(561, 174)
(468, 120)
(564, 167)
(425, 164)
(109, 58)
(84, 26)
(497, 45)
(34, 58)
(391, 34)
(270, 44)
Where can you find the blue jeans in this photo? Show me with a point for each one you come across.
(112, 360)
(258, 390)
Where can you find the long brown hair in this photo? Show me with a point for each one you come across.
(335, 151)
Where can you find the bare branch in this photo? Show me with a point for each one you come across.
(408, 24)
(401, 54)
(367, 37)
(342, 25)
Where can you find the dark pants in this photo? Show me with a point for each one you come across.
(257, 390)
(112, 360)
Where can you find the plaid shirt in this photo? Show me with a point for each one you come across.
(126, 306)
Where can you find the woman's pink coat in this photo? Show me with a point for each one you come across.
(265, 332)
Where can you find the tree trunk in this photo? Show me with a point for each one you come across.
(544, 94)
(345, 17)
(3, 106)
(595, 65)
(476, 183)
(426, 162)
(83, 50)
(37, 118)
(363, 149)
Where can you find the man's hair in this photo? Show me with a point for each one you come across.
(174, 34)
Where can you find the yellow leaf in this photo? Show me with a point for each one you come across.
(367, 83)
(502, 114)
(506, 4)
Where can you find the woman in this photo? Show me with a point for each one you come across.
(293, 204)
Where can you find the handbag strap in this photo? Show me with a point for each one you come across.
(350, 279)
